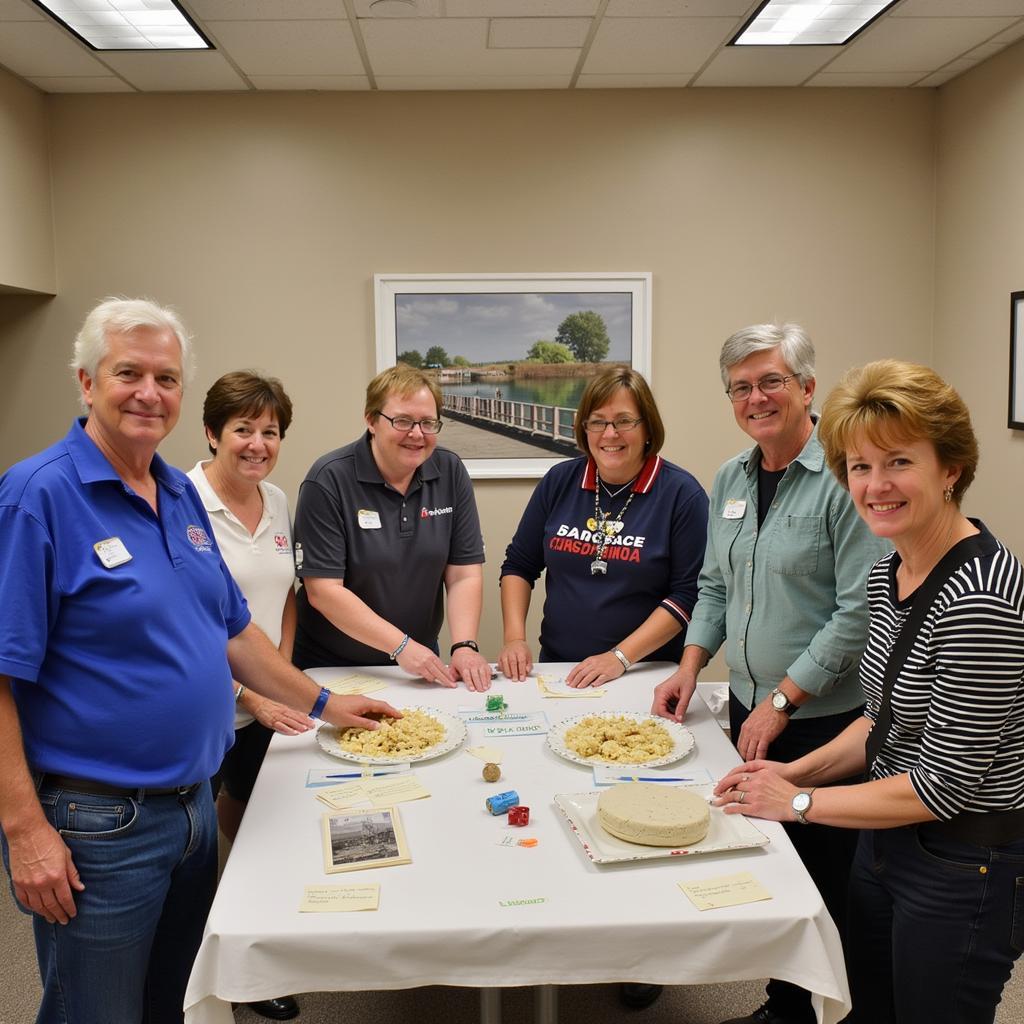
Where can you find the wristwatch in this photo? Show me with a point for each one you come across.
(801, 805)
(781, 702)
(464, 643)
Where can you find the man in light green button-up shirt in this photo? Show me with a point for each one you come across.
(783, 587)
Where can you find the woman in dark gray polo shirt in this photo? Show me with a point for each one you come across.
(383, 528)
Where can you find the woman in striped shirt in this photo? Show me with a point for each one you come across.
(937, 891)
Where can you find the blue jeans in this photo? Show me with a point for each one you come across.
(150, 869)
(935, 926)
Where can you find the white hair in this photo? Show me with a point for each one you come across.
(791, 340)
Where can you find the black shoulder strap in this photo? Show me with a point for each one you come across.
(977, 546)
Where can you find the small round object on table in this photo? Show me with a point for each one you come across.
(491, 772)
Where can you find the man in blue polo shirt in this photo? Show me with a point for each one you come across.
(121, 634)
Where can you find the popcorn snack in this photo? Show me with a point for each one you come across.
(397, 737)
(618, 739)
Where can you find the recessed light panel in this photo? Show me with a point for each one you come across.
(128, 24)
(809, 22)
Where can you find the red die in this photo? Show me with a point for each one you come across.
(519, 815)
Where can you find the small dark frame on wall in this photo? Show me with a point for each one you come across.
(1016, 416)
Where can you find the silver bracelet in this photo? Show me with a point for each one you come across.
(398, 650)
(239, 692)
(626, 663)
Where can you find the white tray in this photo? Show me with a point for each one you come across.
(682, 741)
(727, 832)
(454, 736)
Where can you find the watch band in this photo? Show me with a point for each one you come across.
(321, 703)
(801, 814)
(471, 644)
(788, 708)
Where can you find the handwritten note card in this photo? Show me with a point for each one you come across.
(355, 685)
(490, 754)
(725, 891)
(555, 686)
(339, 899)
(533, 724)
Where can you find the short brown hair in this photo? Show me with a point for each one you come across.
(244, 393)
(889, 401)
(399, 380)
(600, 390)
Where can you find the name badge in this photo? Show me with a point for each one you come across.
(734, 508)
(111, 552)
(368, 519)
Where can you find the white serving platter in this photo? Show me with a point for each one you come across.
(682, 740)
(454, 736)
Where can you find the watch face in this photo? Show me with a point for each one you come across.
(779, 701)
(801, 802)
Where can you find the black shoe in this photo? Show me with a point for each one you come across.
(639, 997)
(282, 1008)
(762, 1015)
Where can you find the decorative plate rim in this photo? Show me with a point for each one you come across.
(683, 740)
(454, 729)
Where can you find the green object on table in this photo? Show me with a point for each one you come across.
(496, 702)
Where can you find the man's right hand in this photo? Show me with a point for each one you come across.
(43, 873)
(672, 697)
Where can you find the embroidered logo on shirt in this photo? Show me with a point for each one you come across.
(281, 543)
(199, 538)
(426, 513)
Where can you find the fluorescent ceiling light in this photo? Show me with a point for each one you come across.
(809, 22)
(128, 24)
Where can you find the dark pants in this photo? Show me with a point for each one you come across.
(826, 852)
(934, 929)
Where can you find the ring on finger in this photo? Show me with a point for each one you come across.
(742, 795)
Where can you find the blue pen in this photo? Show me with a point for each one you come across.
(654, 778)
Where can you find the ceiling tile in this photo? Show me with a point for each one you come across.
(289, 47)
(652, 45)
(474, 82)
(633, 81)
(675, 8)
(456, 47)
(41, 49)
(987, 50)
(82, 84)
(939, 78)
(162, 71)
(319, 83)
(959, 9)
(20, 10)
(865, 79)
(415, 9)
(916, 44)
(765, 65)
(262, 10)
(1010, 34)
(521, 8)
(519, 33)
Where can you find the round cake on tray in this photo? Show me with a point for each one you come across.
(652, 814)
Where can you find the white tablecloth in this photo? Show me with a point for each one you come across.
(440, 921)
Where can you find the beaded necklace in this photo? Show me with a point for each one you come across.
(604, 526)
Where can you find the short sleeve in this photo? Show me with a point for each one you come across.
(467, 542)
(320, 533)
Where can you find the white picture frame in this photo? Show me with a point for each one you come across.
(398, 296)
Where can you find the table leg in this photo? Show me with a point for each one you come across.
(490, 1006)
(545, 1004)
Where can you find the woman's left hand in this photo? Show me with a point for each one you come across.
(758, 790)
(281, 718)
(596, 670)
(472, 668)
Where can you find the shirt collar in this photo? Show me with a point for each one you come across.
(641, 485)
(93, 466)
(811, 457)
(367, 470)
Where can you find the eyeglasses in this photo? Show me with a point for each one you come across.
(406, 423)
(621, 424)
(766, 385)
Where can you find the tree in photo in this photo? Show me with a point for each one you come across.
(586, 335)
(411, 358)
(436, 356)
(461, 361)
(549, 352)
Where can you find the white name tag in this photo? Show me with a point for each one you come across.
(368, 519)
(111, 552)
(734, 508)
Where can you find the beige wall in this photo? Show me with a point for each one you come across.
(26, 224)
(263, 218)
(979, 261)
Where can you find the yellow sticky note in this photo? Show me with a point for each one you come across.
(345, 795)
(397, 790)
(355, 685)
(725, 891)
(490, 754)
(339, 899)
(552, 686)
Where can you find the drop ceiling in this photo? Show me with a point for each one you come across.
(274, 45)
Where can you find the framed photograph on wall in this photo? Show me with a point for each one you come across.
(512, 354)
(1016, 416)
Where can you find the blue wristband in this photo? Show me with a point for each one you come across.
(321, 703)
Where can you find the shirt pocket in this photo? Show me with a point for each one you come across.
(724, 533)
(795, 545)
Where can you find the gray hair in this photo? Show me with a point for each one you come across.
(123, 315)
(796, 347)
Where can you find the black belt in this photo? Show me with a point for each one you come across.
(103, 789)
(994, 828)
